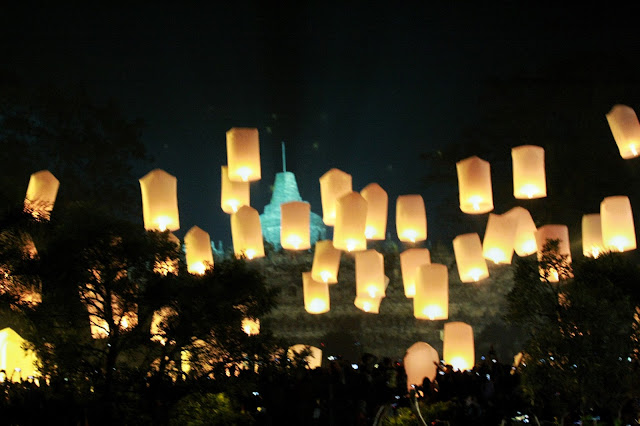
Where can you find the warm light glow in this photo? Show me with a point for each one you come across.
(251, 327)
(475, 202)
(554, 232)
(595, 251)
(420, 361)
(431, 300)
(476, 273)
(529, 246)
(460, 364)
(250, 253)
(618, 230)
(411, 218)
(472, 267)
(326, 275)
(459, 347)
(410, 259)
(198, 268)
(496, 255)
(246, 233)
(625, 129)
(620, 243)
(633, 149)
(474, 185)
(368, 304)
(530, 190)
(316, 295)
(334, 184)
(318, 305)
(234, 205)
(294, 240)
(432, 312)
(351, 245)
(41, 194)
(159, 201)
(370, 232)
(163, 222)
(529, 175)
(410, 234)
(377, 207)
(499, 238)
(198, 253)
(14, 358)
(370, 279)
(350, 224)
(372, 290)
(326, 261)
(243, 155)
(244, 173)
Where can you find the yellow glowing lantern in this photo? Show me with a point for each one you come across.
(233, 195)
(499, 237)
(368, 304)
(529, 178)
(251, 326)
(554, 232)
(197, 246)
(525, 239)
(41, 194)
(625, 129)
(333, 185)
(316, 295)
(432, 292)
(313, 360)
(458, 348)
(294, 229)
(351, 219)
(592, 245)
(18, 364)
(411, 218)
(410, 259)
(474, 185)
(370, 278)
(326, 261)
(160, 201)
(618, 231)
(421, 360)
(243, 154)
(468, 251)
(377, 206)
(246, 233)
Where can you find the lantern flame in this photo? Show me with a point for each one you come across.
(163, 222)
(619, 242)
(197, 268)
(372, 290)
(351, 245)
(496, 255)
(294, 240)
(475, 274)
(475, 202)
(530, 190)
(410, 234)
(250, 253)
(370, 232)
(318, 305)
(595, 251)
(459, 363)
(432, 311)
(234, 204)
(325, 275)
(366, 306)
(529, 246)
(244, 173)
(633, 149)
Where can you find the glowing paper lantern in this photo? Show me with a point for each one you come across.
(626, 130)
(313, 360)
(294, 229)
(351, 219)
(458, 348)
(421, 360)
(499, 238)
(468, 251)
(316, 295)
(233, 195)
(525, 238)
(41, 194)
(529, 178)
(410, 259)
(618, 231)
(370, 279)
(474, 185)
(17, 363)
(251, 326)
(592, 245)
(554, 232)
(246, 233)
(160, 201)
(368, 304)
(411, 218)
(243, 155)
(197, 244)
(333, 185)
(326, 261)
(377, 206)
(432, 292)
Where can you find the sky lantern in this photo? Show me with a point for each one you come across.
(474, 185)
(468, 251)
(592, 245)
(233, 195)
(326, 261)
(251, 326)
(618, 231)
(377, 206)
(333, 184)
(529, 177)
(524, 242)
(316, 295)
(410, 259)
(499, 237)
(432, 292)
(17, 363)
(243, 154)
(313, 360)
(553, 232)
(246, 233)
(370, 278)
(458, 348)
(421, 360)
(41, 194)
(351, 219)
(295, 217)
(625, 128)
(411, 218)
(368, 304)
(159, 201)
(197, 245)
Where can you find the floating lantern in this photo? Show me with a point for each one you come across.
(474, 185)
(351, 219)
(251, 326)
(160, 201)
(529, 179)
(458, 348)
(410, 259)
(233, 195)
(525, 238)
(499, 238)
(18, 364)
(326, 261)
(243, 155)
(377, 206)
(411, 218)
(421, 360)
(313, 360)
(316, 295)
(197, 245)
(592, 245)
(246, 233)
(626, 130)
(41, 194)
(554, 232)
(333, 185)
(294, 229)
(370, 278)
(432, 292)
(468, 251)
(618, 231)
(368, 304)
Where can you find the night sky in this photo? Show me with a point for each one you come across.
(364, 89)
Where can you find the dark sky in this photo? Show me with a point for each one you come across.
(364, 89)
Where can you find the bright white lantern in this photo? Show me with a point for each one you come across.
(246, 233)
(592, 245)
(421, 360)
(294, 229)
(499, 238)
(333, 185)
(199, 256)
(313, 360)
(432, 292)
(368, 304)
(41, 194)
(326, 262)
(316, 295)
(468, 251)
(625, 128)
(618, 231)
(377, 206)
(370, 278)
(474, 185)
(529, 178)
(243, 155)
(160, 201)
(525, 239)
(410, 259)
(459, 348)
(411, 218)
(351, 219)
(233, 195)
